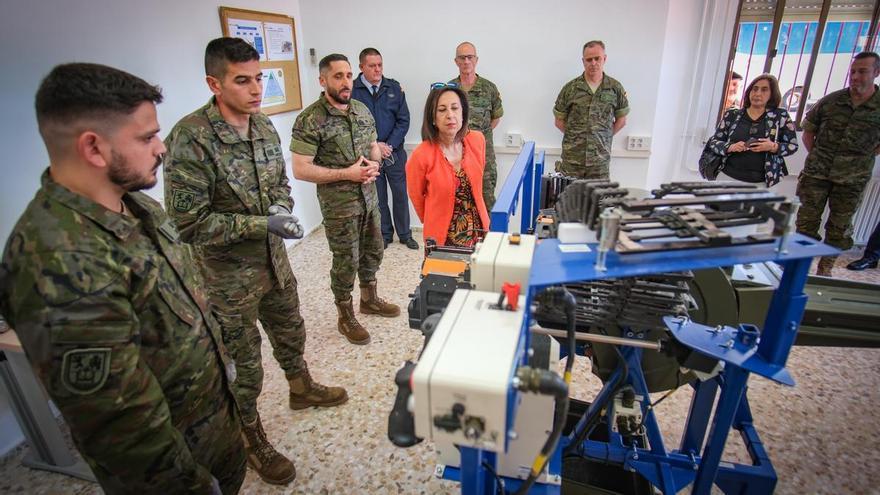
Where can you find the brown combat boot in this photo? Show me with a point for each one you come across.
(262, 457)
(372, 304)
(305, 392)
(826, 263)
(349, 326)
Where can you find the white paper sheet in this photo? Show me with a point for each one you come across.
(279, 41)
(250, 31)
(273, 88)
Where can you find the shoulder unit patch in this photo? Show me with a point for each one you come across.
(182, 200)
(84, 371)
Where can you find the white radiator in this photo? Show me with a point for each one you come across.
(868, 213)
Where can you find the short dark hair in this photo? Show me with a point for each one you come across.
(775, 95)
(734, 76)
(593, 43)
(366, 52)
(429, 131)
(73, 94)
(223, 51)
(325, 62)
(873, 55)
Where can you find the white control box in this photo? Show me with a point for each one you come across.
(462, 382)
(532, 424)
(502, 258)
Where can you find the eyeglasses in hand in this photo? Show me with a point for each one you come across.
(387, 162)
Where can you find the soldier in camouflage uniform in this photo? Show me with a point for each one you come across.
(590, 110)
(226, 187)
(107, 301)
(484, 102)
(334, 145)
(842, 134)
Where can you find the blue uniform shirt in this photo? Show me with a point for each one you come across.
(388, 108)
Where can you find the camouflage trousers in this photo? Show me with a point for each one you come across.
(219, 447)
(238, 306)
(842, 199)
(582, 171)
(357, 247)
(214, 442)
(490, 179)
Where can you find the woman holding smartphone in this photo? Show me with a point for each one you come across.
(753, 140)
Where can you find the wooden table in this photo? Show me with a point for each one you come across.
(32, 410)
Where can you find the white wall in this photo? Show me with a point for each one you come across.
(528, 49)
(161, 41)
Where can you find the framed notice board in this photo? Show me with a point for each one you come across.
(274, 37)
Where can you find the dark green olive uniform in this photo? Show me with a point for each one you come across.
(589, 125)
(352, 222)
(839, 166)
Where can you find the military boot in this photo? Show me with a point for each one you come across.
(372, 304)
(349, 326)
(305, 392)
(262, 457)
(826, 263)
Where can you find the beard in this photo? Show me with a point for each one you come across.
(334, 95)
(128, 179)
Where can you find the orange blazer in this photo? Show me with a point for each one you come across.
(430, 182)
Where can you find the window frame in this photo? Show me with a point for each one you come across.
(772, 51)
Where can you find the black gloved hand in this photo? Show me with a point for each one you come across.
(285, 225)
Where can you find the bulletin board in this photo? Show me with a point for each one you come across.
(274, 38)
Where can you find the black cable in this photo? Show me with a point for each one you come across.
(562, 400)
(499, 482)
(652, 405)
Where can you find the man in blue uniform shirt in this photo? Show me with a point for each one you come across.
(387, 103)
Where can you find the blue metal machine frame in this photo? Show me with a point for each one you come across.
(744, 351)
(522, 183)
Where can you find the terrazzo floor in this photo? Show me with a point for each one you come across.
(820, 434)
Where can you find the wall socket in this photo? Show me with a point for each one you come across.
(638, 143)
(513, 139)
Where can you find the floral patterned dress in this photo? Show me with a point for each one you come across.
(465, 228)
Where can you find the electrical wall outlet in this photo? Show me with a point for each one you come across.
(638, 143)
(513, 139)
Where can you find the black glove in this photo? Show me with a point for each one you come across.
(285, 225)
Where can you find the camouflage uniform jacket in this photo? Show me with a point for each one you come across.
(336, 139)
(219, 187)
(484, 106)
(589, 119)
(846, 137)
(113, 319)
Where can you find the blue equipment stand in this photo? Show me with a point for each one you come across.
(744, 351)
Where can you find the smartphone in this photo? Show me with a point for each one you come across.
(751, 141)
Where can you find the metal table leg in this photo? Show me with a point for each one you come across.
(48, 450)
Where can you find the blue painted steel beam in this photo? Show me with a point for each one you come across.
(508, 198)
(551, 266)
(697, 420)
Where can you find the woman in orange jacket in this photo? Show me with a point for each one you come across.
(444, 175)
